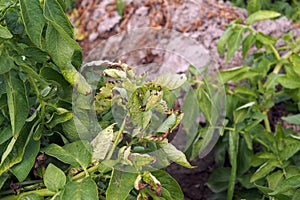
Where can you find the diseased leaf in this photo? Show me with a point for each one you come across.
(17, 101)
(54, 178)
(175, 155)
(84, 190)
(170, 81)
(102, 142)
(33, 19)
(115, 73)
(120, 184)
(169, 184)
(22, 169)
(261, 15)
(167, 124)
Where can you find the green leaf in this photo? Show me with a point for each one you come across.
(261, 15)
(219, 179)
(6, 63)
(58, 41)
(175, 155)
(120, 184)
(22, 169)
(16, 154)
(170, 184)
(81, 152)
(61, 154)
(287, 184)
(222, 43)
(5, 134)
(253, 5)
(31, 196)
(58, 118)
(102, 142)
(289, 82)
(233, 73)
(274, 179)
(294, 119)
(247, 43)
(5, 33)
(264, 170)
(54, 178)
(55, 13)
(33, 19)
(171, 81)
(295, 59)
(265, 39)
(17, 101)
(233, 155)
(234, 42)
(76, 153)
(3, 179)
(84, 190)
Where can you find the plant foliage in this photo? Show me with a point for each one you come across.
(50, 145)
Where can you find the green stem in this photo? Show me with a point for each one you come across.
(117, 139)
(266, 121)
(40, 192)
(81, 175)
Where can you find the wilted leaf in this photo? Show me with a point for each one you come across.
(170, 81)
(102, 142)
(175, 155)
(170, 184)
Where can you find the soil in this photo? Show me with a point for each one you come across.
(165, 35)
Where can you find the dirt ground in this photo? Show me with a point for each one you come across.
(158, 34)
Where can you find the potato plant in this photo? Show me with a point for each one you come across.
(101, 133)
(257, 157)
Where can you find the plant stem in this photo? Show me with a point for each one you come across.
(266, 121)
(116, 141)
(81, 175)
